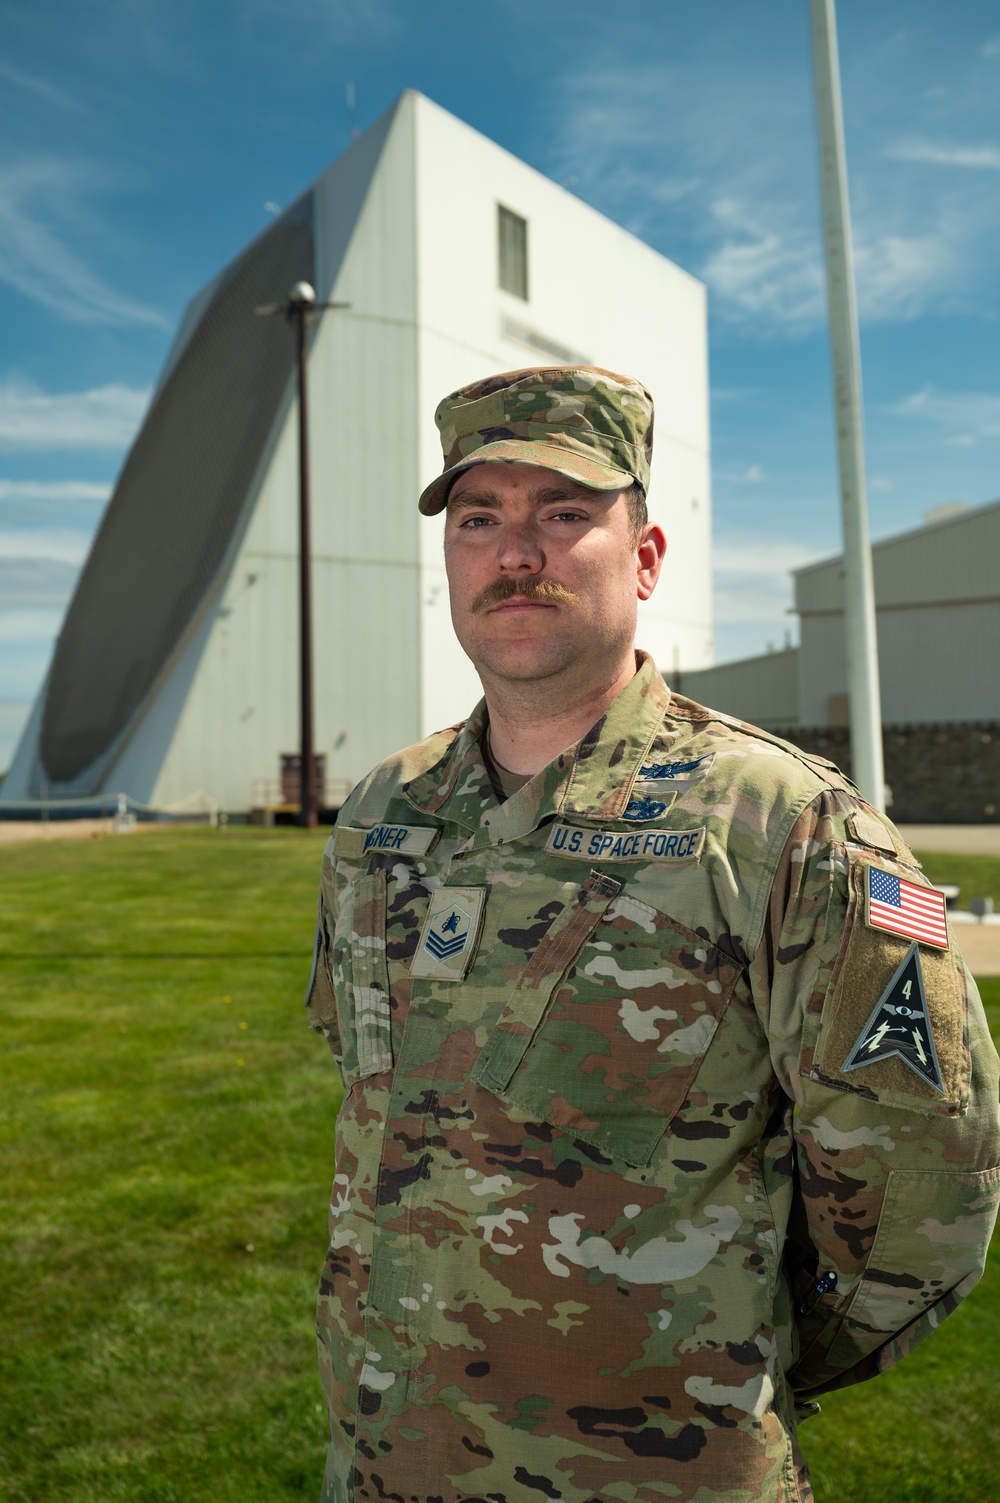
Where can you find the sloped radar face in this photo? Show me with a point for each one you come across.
(175, 507)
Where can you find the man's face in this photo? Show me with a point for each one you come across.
(544, 574)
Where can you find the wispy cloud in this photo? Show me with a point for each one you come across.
(945, 156)
(39, 214)
(717, 166)
(62, 544)
(36, 584)
(29, 626)
(13, 714)
(106, 417)
(29, 83)
(761, 270)
(753, 581)
(57, 491)
(972, 415)
(991, 48)
(751, 474)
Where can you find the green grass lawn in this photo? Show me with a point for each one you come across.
(976, 876)
(166, 1136)
(167, 1125)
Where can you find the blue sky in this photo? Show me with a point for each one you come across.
(143, 139)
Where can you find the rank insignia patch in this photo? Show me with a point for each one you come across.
(450, 934)
(900, 1025)
(901, 907)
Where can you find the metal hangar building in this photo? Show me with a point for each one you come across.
(176, 667)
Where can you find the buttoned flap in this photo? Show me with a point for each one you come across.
(379, 916)
(603, 1036)
(894, 1025)
(933, 1233)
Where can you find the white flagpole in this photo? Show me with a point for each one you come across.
(859, 590)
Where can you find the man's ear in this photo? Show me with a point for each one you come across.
(649, 558)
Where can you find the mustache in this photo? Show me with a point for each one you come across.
(506, 587)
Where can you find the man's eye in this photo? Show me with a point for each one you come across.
(568, 516)
(472, 522)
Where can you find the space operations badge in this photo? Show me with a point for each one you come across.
(670, 774)
(450, 936)
(650, 844)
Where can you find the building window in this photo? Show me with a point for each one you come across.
(512, 242)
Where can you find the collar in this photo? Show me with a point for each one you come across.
(590, 781)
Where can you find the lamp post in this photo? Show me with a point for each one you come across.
(300, 308)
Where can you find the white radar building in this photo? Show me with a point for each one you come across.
(176, 669)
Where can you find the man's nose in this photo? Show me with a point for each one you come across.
(520, 551)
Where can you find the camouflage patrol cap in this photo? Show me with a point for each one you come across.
(579, 420)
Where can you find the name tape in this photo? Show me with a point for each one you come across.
(405, 840)
(626, 845)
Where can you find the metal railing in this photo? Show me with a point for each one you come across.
(271, 793)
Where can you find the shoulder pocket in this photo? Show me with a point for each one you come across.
(608, 1025)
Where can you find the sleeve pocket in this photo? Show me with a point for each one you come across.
(933, 1233)
(349, 998)
(369, 991)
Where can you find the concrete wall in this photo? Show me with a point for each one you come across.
(937, 774)
(763, 690)
(952, 559)
(938, 615)
(593, 290)
(242, 710)
(936, 662)
(406, 233)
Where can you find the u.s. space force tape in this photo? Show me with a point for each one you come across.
(625, 845)
(402, 840)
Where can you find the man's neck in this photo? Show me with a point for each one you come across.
(530, 724)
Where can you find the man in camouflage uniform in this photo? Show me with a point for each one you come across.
(669, 1101)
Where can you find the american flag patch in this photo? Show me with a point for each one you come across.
(901, 907)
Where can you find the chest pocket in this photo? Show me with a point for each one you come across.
(378, 924)
(608, 1024)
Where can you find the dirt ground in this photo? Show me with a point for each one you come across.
(16, 831)
(958, 840)
(980, 947)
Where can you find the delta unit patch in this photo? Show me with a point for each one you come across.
(901, 907)
(900, 1025)
(450, 935)
(625, 845)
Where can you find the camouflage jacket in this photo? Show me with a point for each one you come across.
(614, 1187)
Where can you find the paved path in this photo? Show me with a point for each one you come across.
(980, 945)
(957, 840)
(16, 831)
